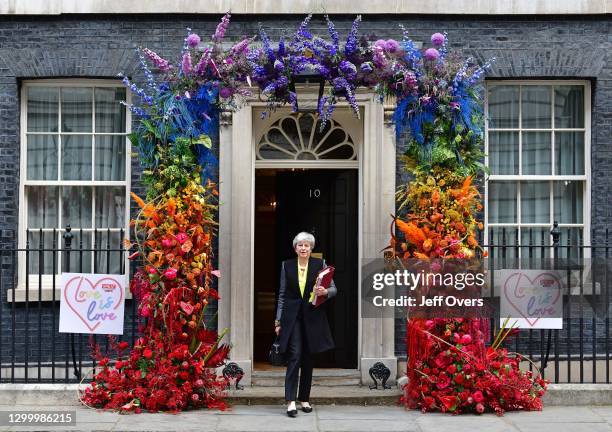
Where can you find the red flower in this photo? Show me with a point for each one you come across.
(477, 396)
(147, 353)
(449, 402)
(443, 381)
(480, 408)
(170, 273)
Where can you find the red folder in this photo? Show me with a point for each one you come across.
(324, 279)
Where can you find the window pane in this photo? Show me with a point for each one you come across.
(76, 109)
(568, 201)
(36, 244)
(43, 206)
(42, 157)
(569, 153)
(110, 158)
(110, 114)
(76, 206)
(503, 105)
(80, 257)
(536, 242)
(76, 157)
(503, 152)
(502, 202)
(536, 106)
(43, 105)
(503, 257)
(110, 207)
(108, 256)
(569, 106)
(574, 237)
(536, 149)
(535, 202)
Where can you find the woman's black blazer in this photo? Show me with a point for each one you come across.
(290, 303)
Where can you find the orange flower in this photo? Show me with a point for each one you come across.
(138, 200)
(413, 233)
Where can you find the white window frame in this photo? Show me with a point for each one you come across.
(46, 282)
(518, 178)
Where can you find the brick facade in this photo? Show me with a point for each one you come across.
(101, 46)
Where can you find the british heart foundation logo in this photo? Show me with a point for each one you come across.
(92, 303)
(531, 298)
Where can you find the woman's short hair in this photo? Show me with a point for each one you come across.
(304, 236)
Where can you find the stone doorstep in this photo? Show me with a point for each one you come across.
(64, 394)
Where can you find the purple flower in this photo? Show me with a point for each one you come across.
(278, 65)
(366, 67)
(240, 47)
(431, 54)
(193, 40)
(221, 28)
(160, 63)
(380, 43)
(186, 63)
(391, 45)
(347, 67)
(225, 92)
(200, 68)
(351, 41)
(437, 39)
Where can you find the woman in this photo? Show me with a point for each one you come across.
(303, 329)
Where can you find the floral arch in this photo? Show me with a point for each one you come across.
(439, 116)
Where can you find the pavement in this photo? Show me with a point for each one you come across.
(332, 418)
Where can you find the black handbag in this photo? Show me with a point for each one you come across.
(275, 357)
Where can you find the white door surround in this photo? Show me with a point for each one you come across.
(376, 201)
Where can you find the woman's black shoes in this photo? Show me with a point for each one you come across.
(307, 409)
(292, 413)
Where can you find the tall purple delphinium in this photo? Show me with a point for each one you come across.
(221, 28)
(333, 34)
(186, 67)
(160, 63)
(351, 41)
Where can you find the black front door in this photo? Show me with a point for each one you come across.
(324, 203)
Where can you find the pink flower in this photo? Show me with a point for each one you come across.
(391, 46)
(181, 237)
(432, 54)
(477, 396)
(193, 40)
(186, 63)
(443, 381)
(167, 243)
(170, 273)
(479, 408)
(381, 43)
(466, 339)
(437, 39)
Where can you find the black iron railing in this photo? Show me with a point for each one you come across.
(32, 349)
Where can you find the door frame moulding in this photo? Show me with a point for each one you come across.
(376, 164)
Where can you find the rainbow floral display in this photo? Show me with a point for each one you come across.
(173, 364)
(449, 367)
(439, 117)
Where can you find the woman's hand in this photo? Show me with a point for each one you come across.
(320, 291)
(277, 330)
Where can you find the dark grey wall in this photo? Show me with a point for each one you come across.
(102, 46)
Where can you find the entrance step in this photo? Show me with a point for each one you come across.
(320, 378)
(321, 395)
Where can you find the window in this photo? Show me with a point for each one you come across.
(538, 137)
(74, 170)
